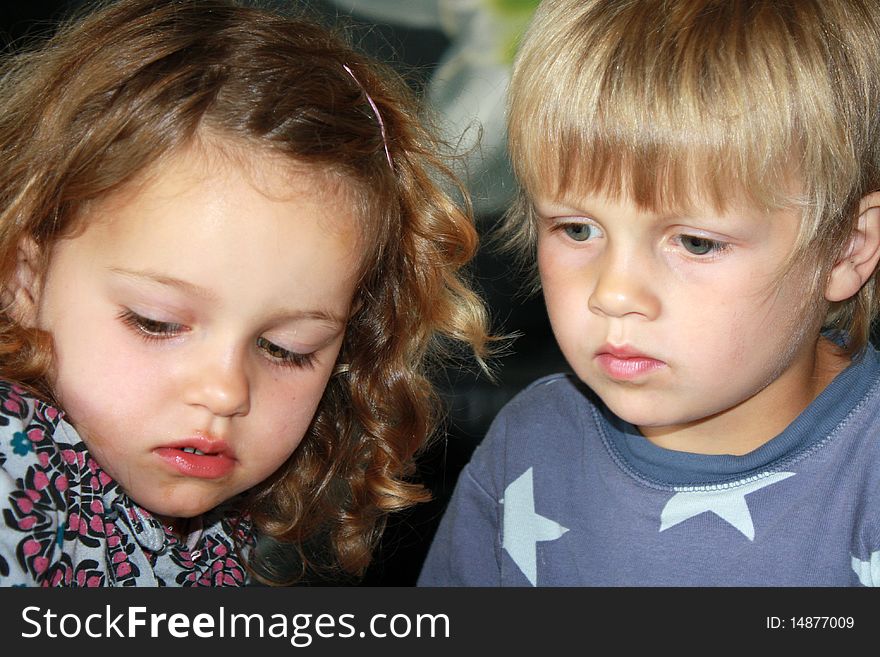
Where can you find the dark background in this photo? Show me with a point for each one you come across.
(472, 400)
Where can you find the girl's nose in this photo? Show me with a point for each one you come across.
(219, 382)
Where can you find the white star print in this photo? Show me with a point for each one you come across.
(868, 571)
(727, 503)
(523, 528)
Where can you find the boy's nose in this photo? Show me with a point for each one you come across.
(219, 382)
(624, 287)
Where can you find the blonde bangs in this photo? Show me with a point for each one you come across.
(659, 104)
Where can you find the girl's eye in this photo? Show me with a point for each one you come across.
(283, 356)
(696, 245)
(579, 232)
(150, 328)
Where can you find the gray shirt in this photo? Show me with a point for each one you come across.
(563, 493)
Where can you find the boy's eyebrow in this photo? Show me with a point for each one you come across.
(548, 207)
(205, 293)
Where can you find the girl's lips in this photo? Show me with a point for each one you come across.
(626, 363)
(215, 459)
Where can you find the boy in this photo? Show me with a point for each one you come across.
(700, 190)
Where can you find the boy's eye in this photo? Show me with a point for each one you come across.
(700, 245)
(579, 232)
(284, 356)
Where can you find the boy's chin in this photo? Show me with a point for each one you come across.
(652, 421)
(638, 407)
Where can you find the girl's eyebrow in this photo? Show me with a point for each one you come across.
(204, 293)
(170, 281)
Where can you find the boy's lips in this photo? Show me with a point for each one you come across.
(199, 456)
(625, 363)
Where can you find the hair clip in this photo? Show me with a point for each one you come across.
(375, 111)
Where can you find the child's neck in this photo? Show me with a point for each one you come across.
(178, 527)
(755, 421)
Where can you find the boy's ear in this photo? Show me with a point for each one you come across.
(20, 295)
(859, 260)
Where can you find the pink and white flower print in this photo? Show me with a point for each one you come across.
(65, 522)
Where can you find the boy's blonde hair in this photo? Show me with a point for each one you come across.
(134, 81)
(667, 102)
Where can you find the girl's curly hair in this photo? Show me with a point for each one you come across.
(132, 81)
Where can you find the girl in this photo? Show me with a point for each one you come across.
(226, 263)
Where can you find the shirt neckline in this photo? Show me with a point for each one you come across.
(814, 424)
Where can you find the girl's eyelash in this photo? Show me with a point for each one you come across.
(284, 357)
(150, 329)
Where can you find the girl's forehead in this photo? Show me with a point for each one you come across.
(202, 179)
(193, 220)
(238, 185)
(209, 161)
